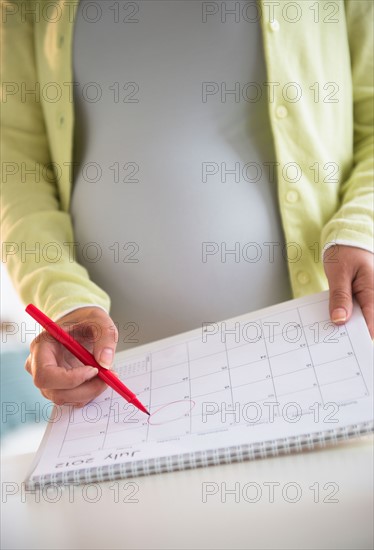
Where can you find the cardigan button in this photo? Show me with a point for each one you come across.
(303, 277)
(281, 111)
(292, 196)
(274, 25)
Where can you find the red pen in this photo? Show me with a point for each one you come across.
(83, 355)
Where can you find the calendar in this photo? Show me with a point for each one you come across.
(282, 372)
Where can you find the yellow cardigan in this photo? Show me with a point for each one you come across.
(323, 139)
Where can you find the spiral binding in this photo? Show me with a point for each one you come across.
(236, 453)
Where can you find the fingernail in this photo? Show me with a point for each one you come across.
(106, 357)
(339, 314)
(91, 373)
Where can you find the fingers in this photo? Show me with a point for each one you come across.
(340, 305)
(350, 274)
(59, 378)
(75, 386)
(339, 275)
(43, 365)
(78, 396)
(98, 333)
(363, 289)
(368, 311)
(57, 373)
(105, 345)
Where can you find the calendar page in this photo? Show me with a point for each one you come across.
(282, 371)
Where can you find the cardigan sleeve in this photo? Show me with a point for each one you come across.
(37, 235)
(354, 221)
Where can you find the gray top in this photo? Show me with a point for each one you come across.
(170, 218)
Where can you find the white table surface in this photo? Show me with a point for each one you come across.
(170, 512)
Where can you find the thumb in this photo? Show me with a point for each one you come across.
(105, 345)
(340, 303)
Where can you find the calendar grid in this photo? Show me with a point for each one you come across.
(270, 369)
(149, 362)
(311, 360)
(177, 382)
(229, 375)
(357, 362)
(189, 386)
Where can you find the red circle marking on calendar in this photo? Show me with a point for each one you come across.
(171, 412)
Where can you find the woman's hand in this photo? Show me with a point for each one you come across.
(57, 373)
(350, 272)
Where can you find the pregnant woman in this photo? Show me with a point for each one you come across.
(167, 164)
